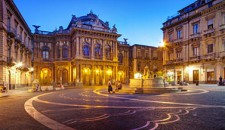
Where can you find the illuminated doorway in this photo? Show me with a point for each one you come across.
(86, 76)
(195, 76)
(62, 76)
(45, 76)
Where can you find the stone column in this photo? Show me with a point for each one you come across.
(77, 47)
(103, 49)
(217, 71)
(60, 51)
(92, 49)
(77, 72)
(92, 75)
(81, 47)
(70, 74)
(103, 75)
(81, 73)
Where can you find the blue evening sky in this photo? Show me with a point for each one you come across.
(138, 20)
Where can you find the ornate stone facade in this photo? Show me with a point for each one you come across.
(195, 43)
(15, 47)
(87, 53)
(83, 53)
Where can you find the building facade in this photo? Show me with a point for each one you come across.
(194, 39)
(86, 53)
(15, 47)
(83, 53)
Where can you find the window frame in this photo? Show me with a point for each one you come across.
(210, 48)
(195, 28)
(179, 34)
(45, 53)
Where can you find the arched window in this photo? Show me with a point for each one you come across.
(45, 53)
(108, 52)
(98, 51)
(86, 50)
(65, 52)
(120, 57)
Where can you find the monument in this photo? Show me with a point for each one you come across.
(147, 83)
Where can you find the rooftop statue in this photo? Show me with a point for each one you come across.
(114, 29)
(36, 28)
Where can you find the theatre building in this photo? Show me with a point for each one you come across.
(83, 53)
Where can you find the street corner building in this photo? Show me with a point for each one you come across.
(15, 47)
(86, 52)
(194, 39)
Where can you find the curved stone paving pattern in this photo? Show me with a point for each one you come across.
(88, 109)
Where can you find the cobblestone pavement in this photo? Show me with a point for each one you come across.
(200, 108)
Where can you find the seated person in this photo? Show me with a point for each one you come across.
(224, 81)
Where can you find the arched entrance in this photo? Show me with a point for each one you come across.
(62, 76)
(45, 76)
(98, 76)
(108, 75)
(121, 76)
(86, 73)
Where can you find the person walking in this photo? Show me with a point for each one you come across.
(110, 86)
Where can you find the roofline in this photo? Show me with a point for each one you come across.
(143, 45)
(19, 15)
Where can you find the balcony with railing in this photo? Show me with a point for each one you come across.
(11, 31)
(196, 35)
(179, 60)
(208, 31)
(195, 58)
(178, 40)
(209, 56)
(18, 38)
(10, 61)
(222, 27)
(170, 62)
(222, 54)
(99, 57)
